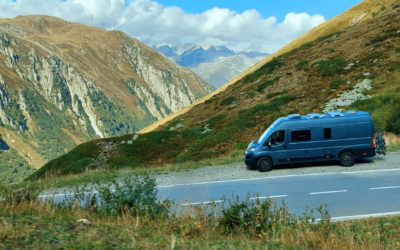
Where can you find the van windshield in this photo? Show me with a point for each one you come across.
(266, 132)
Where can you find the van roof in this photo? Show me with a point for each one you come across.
(329, 115)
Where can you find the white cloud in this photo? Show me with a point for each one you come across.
(149, 21)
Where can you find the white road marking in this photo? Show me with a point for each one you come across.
(276, 196)
(370, 171)
(54, 195)
(384, 187)
(201, 202)
(330, 192)
(363, 216)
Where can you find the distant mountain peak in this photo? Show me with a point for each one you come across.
(255, 47)
(207, 46)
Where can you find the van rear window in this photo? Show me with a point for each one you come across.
(327, 133)
(301, 135)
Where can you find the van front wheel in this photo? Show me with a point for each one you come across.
(264, 164)
(347, 159)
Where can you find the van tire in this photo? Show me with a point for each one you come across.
(264, 164)
(347, 159)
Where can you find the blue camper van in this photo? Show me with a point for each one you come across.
(313, 137)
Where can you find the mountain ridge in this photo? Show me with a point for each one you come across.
(62, 83)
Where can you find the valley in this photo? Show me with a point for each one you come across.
(64, 83)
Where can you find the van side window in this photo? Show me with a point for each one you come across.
(301, 135)
(277, 138)
(327, 133)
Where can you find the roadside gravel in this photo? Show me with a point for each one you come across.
(240, 171)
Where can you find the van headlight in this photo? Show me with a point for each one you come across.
(253, 149)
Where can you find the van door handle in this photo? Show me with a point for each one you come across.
(306, 151)
(284, 146)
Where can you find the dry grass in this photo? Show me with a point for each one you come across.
(33, 225)
(392, 141)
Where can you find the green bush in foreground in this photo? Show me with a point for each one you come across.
(135, 221)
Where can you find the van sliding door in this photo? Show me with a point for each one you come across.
(302, 147)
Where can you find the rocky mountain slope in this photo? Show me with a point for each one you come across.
(214, 64)
(63, 83)
(356, 67)
(223, 69)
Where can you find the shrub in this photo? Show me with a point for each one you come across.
(302, 65)
(213, 122)
(374, 56)
(336, 83)
(328, 51)
(132, 196)
(330, 67)
(267, 68)
(265, 84)
(307, 45)
(211, 100)
(398, 89)
(237, 155)
(239, 146)
(251, 95)
(322, 38)
(374, 14)
(397, 50)
(377, 45)
(227, 101)
(396, 6)
(273, 105)
(254, 217)
(393, 123)
(271, 95)
(183, 157)
(270, 66)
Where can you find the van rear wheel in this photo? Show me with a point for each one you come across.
(347, 159)
(264, 164)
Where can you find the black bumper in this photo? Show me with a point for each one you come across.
(365, 152)
(250, 159)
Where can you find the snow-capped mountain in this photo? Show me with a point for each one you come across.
(255, 47)
(221, 71)
(214, 64)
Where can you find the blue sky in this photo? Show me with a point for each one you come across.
(327, 8)
(235, 24)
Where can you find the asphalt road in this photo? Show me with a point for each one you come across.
(348, 195)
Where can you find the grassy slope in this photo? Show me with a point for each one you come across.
(300, 81)
(361, 12)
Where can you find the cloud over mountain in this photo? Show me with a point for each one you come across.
(150, 21)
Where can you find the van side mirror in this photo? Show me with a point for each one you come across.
(269, 142)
